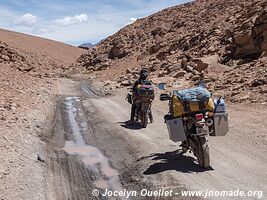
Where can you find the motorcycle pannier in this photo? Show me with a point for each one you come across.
(145, 91)
(221, 126)
(176, 107)
(176, 129)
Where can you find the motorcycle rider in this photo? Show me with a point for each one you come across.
(141, 81)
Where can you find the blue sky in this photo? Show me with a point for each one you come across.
(76, 21)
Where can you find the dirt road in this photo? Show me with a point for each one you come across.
(92, 147)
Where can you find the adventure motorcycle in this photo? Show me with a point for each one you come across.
(193, 127)
(196, 126)
(143, 100)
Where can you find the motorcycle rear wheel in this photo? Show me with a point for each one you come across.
(202, 153)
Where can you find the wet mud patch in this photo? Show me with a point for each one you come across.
(77, 168)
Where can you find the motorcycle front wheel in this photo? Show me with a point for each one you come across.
(150, 115)
(144, 119)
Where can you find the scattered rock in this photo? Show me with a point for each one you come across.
(258, 82)
(179, 74)
(200, 65)
(5, 57)
(195, 78)
(25, 68)
(161, 74)
(126, 83)
(116, 52)
(40, 158)
(226, 42)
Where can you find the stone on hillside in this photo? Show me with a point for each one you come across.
(200, 65)
(158, 31)
(5, 57)
(128, 71)
(175, 67)
(101, 66)
(195, 78)
(258, 82)
(153, 68)
(179, 74)
(155, 48)
(161, 74)
(203, 63)
(184, 62)
(25, 67)
(126, 83)
(116, 52)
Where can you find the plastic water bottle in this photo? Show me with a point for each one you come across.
(219, 105)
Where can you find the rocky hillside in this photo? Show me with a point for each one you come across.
(42, 56)
(223, 43)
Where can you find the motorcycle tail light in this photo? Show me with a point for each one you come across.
(199, 117)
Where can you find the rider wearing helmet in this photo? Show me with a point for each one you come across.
(141, 81)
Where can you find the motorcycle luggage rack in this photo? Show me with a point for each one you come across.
(200, 134)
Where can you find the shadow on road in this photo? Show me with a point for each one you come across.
(174, 160)
(126, 124)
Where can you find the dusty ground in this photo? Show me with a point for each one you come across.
(78, 141)
(238, 160)
(101, 151)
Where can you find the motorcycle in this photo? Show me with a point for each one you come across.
(143, 100)
(143, 111)
(195, 126)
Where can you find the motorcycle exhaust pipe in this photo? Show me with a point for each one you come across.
(209, 122)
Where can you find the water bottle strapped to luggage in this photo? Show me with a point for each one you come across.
(191, 100)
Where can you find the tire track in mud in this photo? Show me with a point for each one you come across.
(85, 149)
(77, 168)
(98, 164)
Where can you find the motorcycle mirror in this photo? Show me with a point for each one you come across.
(164, 97)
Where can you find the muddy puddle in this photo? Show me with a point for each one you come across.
(105, 176)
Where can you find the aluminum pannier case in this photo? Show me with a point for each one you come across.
(176, 129)
(221, 126)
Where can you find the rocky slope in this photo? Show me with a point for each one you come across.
(223, 42)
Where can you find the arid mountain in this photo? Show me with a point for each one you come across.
(26, 63)
(87, 46)
(223, 42)
(40, 54)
